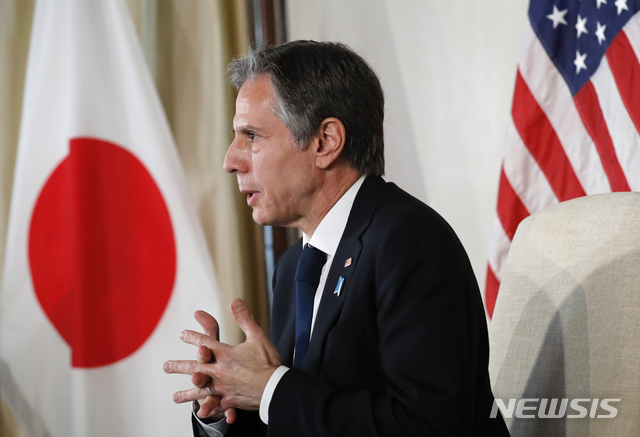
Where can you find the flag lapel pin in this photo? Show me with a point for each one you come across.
(339, 286)
(347, 263)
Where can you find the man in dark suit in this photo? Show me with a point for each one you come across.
(377, 322)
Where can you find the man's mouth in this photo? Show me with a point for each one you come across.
(251, 196)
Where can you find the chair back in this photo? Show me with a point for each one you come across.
(566, 323)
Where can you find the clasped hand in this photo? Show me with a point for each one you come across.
(235, 375)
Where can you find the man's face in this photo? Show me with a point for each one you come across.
(278, 179)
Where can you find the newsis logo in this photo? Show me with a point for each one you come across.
(557, 408)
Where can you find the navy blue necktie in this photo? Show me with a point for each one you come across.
(307, 280)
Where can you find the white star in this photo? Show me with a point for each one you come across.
(581, 25)
(600, 32)
(600, 2)
(557, 17)
(579, 62)
(621, 4)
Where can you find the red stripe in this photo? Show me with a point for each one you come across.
(543, 143)
(626, 72)
(491, 291)
(586, 101)
(511, 210)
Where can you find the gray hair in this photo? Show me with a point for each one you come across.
(316, 80)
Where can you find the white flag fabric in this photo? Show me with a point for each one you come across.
(105, 260)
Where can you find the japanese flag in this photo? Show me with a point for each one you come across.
(105, 261)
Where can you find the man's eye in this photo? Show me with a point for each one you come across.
(251, 136)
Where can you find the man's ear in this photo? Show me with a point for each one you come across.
(329, 142)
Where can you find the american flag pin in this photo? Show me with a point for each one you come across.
(339, 286)
(347, 263)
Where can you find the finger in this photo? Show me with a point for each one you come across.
(184, 367)
(209, 407)
(245, 321)
(230, 414)
(198, 339)
(208, 323)
(212, 407)
(192, 394)
(204, 355)
(200, 380)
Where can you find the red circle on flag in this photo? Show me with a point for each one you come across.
(102, 252)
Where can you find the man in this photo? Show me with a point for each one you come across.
(377, 324)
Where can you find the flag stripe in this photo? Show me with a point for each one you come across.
(543, 143)
(589, 108)
(524, 174)
(491, 292)
(511, 210)
(632, 30)
(500, 244)
(626, 72)
(626, 141)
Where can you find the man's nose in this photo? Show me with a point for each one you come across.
(235, 159)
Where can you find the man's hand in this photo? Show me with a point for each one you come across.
(238, 374)
(208, 405)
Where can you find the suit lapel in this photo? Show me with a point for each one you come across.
(344, 265)
(332, 302)
(287, 340)
(283, 315)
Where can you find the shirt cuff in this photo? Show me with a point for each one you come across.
(215, 429)
(267, 394)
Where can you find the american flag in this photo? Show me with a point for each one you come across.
(575, 117)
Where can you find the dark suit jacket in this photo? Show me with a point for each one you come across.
(402, 350)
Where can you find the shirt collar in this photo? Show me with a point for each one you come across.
(328, 234)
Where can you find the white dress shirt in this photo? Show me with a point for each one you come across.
(326, 238)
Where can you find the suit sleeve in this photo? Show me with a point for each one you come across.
(429, 318)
